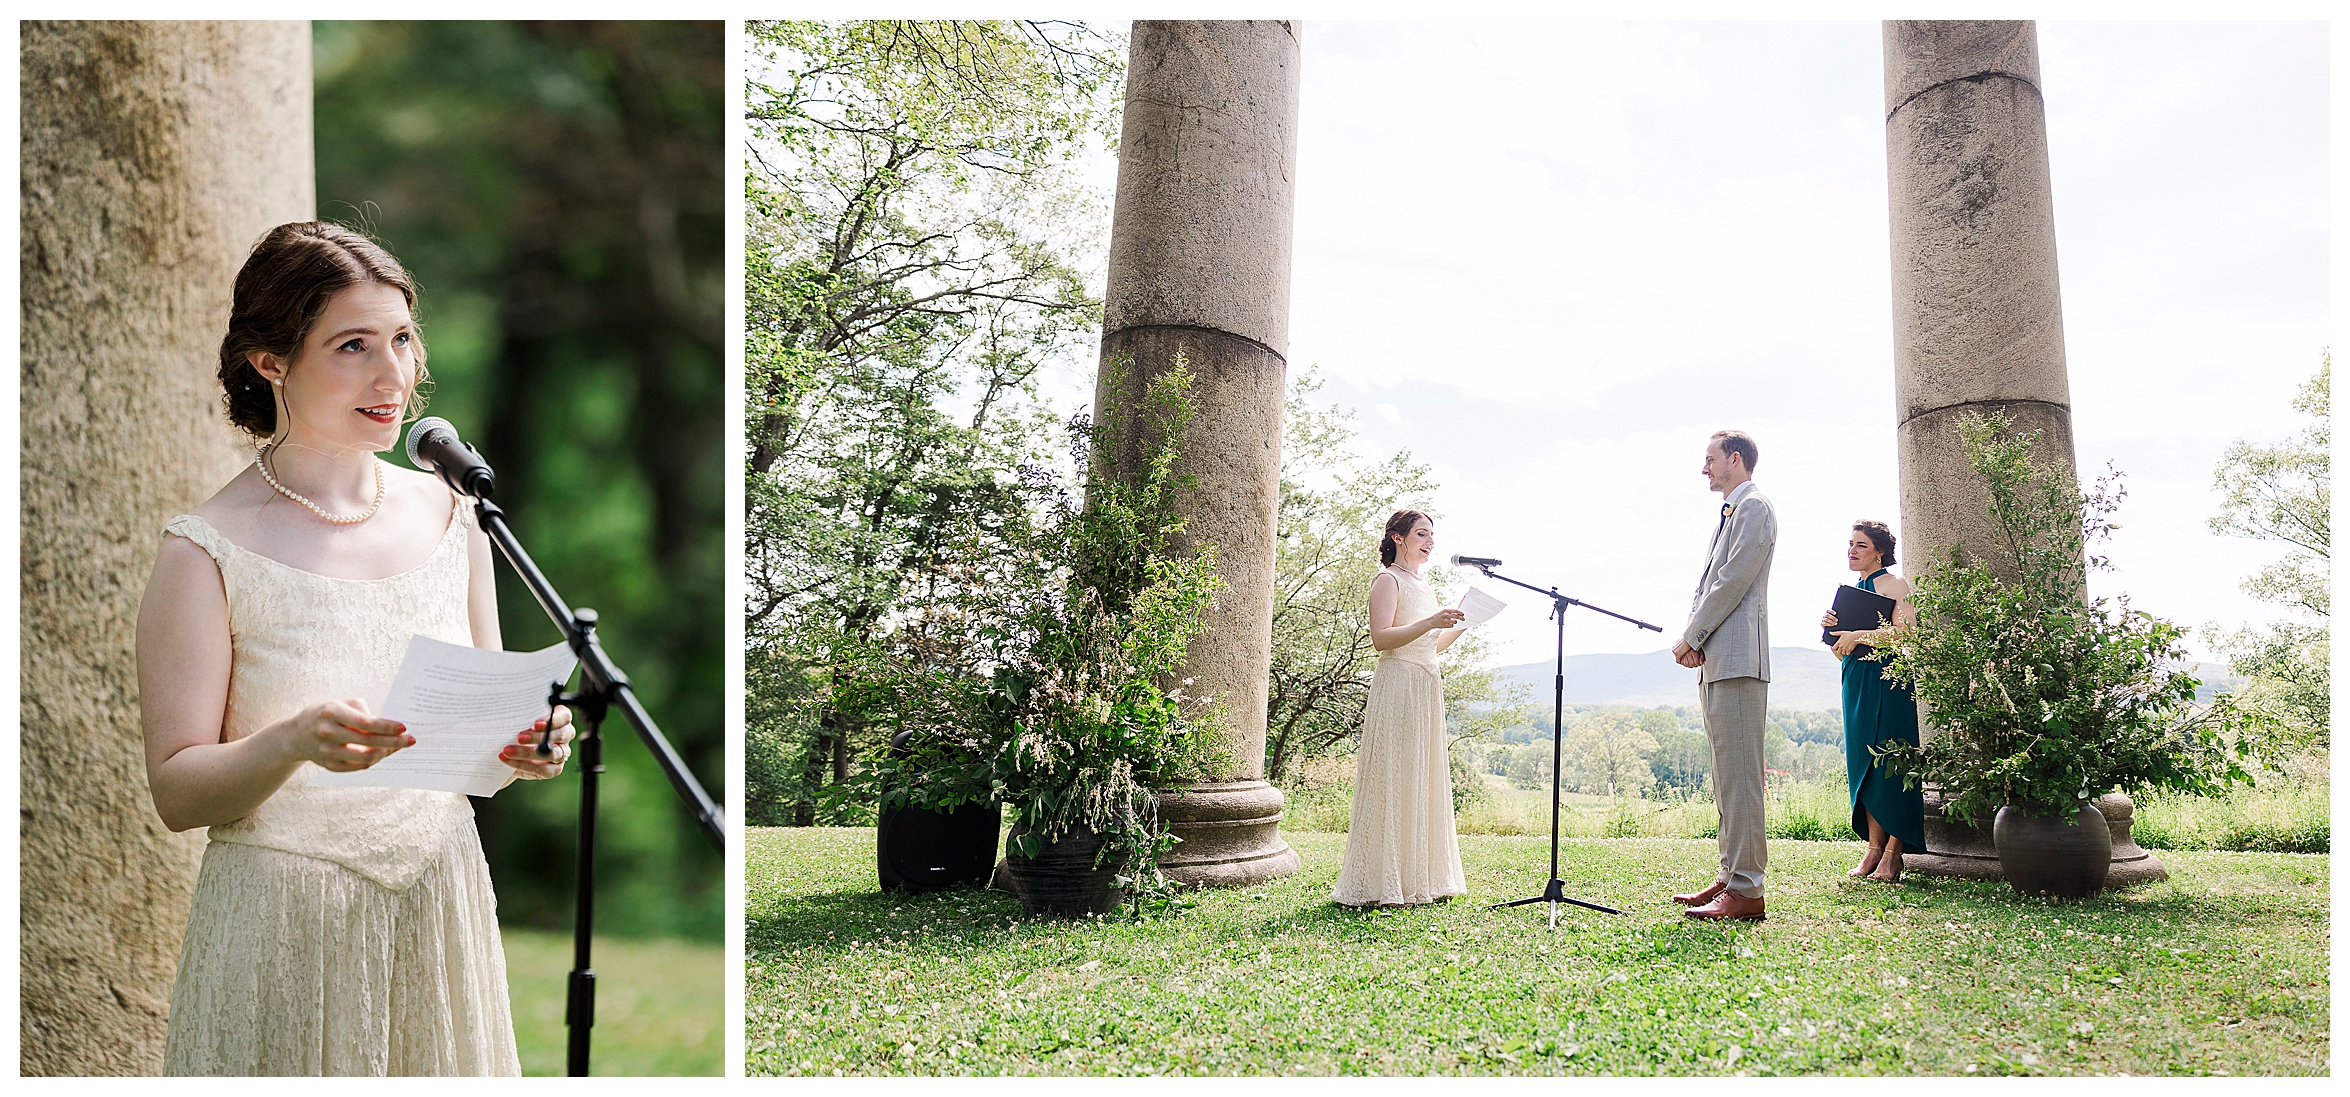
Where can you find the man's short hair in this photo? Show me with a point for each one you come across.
(1736, 441)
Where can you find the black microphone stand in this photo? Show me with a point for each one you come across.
(602, 687)
(1555, 892)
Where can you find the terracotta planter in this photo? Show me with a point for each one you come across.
(1061, 882)
(2049, 855)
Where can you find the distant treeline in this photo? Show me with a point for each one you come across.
(1670, 743)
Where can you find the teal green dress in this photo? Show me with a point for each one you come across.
(1877, 711)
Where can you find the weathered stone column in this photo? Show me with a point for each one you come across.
(1199, 266)
(1977, 324)
(154, 155)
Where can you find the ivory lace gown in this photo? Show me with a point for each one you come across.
(1400, 847)
(342, 931)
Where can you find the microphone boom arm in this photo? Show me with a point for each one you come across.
(598, 675)
(1559, 602)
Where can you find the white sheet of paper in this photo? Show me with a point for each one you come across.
(463, 705)
(1479, 607)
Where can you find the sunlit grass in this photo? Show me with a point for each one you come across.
(660, 1005)
(2220, 969)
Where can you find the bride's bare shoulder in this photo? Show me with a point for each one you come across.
(1893, 586)
(233, 508)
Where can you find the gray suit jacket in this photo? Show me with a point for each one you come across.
(1730, 618)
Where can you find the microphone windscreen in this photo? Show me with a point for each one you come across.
(423, 430)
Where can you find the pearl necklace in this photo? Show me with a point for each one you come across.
(338, 519)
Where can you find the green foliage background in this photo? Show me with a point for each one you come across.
(556, 188)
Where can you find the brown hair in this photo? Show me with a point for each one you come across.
(281, 291)
(1880, 535)
(1736, 441)
(1401, 522)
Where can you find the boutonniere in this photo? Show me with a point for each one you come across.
(1726, 508)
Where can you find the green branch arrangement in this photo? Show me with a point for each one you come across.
(2039, 695)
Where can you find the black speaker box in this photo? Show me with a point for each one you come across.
(922, 850)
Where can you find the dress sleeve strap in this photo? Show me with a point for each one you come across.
(464, 518)
(201, 532)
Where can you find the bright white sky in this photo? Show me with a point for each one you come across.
(1549, 259)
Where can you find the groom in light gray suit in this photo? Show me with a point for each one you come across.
(1728, 642)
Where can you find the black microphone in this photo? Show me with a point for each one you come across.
(433, 445)
(1467, 561)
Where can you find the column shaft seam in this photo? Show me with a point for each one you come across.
(2065, 408)
(1283, 358)
(1986, 74)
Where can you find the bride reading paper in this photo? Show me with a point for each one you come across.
(1400, 847)
(333, 930)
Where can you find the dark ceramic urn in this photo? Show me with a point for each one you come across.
(2053, 855)
(1061, 880)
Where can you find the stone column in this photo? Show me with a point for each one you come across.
(153, 156)
(1199, 267)
(1977, 324)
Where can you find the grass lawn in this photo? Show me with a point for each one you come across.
(2222, 969)
(660, 1005)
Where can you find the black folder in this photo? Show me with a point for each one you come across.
(1855, 610)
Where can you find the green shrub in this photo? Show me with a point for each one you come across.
(2041, 698)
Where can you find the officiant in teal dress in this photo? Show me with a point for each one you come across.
(1877, 711)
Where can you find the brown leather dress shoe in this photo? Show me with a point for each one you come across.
(1696, 897)
(1730, 905)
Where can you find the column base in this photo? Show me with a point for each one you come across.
(1953, 849)
(1966, 853)
(1231, 833)
(2132, 863)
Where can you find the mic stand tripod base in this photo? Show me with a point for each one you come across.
(1554, 894)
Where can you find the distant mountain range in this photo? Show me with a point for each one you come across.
(1805, 679)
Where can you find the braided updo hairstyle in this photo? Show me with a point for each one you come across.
(1401, 522)
(281, 291)
(1880, 535)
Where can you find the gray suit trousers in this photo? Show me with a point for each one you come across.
(1734, 723)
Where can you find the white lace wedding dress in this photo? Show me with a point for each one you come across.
(1400, 847)
(339, 931)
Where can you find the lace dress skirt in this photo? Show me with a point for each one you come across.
(338, 931)
(295, 965)
(1400, 846)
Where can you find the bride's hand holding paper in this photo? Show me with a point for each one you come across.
(1477, 607)
(341, 736)
(523, 754)
(474, 717)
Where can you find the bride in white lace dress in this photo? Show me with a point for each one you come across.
(1400, 847)
(333, 930)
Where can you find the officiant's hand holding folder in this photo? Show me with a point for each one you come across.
(1858, 610)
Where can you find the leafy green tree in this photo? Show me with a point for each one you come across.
(2284, 493)
(1610, 752)
(1683, 756)
(914, 240)
(558, 189)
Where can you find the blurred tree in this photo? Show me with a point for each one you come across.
(1683, 756)
(2285, 493)
(916, 225)
(558, 190)
(1529, 766)
(1609, 753)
